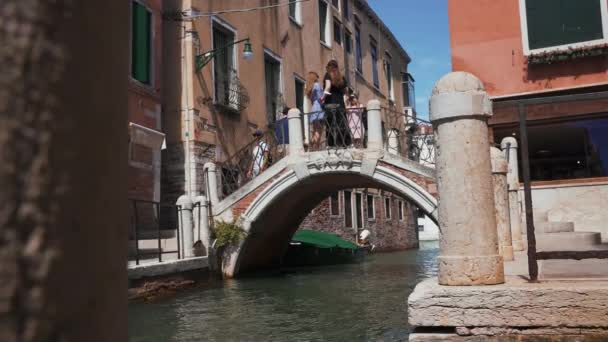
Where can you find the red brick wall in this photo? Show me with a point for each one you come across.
(387, 234)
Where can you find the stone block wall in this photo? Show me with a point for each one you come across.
(387, 234)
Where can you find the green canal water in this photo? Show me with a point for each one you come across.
(359, 302)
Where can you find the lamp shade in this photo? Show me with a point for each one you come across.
(247, 51)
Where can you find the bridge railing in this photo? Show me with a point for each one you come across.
(253, 159)
(408, 136)
(335, 127)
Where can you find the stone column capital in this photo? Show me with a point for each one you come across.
(508, 142)
(459, 95)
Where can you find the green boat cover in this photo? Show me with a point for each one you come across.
(322, 240)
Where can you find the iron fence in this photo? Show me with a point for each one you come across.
(253, 159)
(335, 127)
(154, 221)
(408, 136)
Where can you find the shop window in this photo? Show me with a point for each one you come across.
(564, 150)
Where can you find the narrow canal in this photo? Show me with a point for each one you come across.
(359, 302)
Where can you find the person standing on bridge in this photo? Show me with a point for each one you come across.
(314, 92)
(337, 131)
(260, 155)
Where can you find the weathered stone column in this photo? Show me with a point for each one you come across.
(186, 227)
(509, 146)
(459, 109)
(296, 140)
(211, 172)
(201, 219)
(501, 203)
(374, 125)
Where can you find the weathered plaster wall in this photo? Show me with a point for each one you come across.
(584, 204)
(63, 175)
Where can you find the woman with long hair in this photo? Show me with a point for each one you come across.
(337, 131)
(314, 92)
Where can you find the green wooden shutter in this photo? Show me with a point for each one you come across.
(561, 22)
(140, 43)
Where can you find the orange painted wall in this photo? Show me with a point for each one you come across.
(486, 40)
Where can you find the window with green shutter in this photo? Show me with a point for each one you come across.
(552, 23)
(141, 43)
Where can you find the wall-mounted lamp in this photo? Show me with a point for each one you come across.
(206, 57)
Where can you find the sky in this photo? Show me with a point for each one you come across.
(421, 26)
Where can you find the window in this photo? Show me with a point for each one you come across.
(348, 209)
(409, 96)
(337, 32)
(345, 10)
(388, 69)
(359, 210)
(371, 207)
(549, 25)
(358, 49)
(272, 71)
(420, 227)
(374, 53)
(348, 42)
(141, 43)
(295, 12)
(334, 204)
(223, 63)
(401, 210)
(323, 20)
(565, 150)
(299, 86)
(387, 207)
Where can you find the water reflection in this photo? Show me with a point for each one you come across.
(361, 302)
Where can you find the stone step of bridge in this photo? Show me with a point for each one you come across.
(554, 227)
(569, 241)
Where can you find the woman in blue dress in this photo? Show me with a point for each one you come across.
(314, 92)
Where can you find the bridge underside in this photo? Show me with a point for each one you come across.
(267, 242)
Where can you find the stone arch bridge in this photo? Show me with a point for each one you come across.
(274, 201)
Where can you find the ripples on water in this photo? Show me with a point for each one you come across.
(359, 302)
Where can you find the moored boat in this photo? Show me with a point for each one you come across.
(313, 248)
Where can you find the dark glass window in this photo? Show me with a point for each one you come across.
(359, 209)
(401, 204)
(348, 210)
(337, 32)
(387, 207)
(560, 22)
(564, 150)
(345, 9)
(334, 204)
(358, 49)
(348, 43)
(374, 53)
(141, 43)
(292, 9)
(371, 208)
(299, 95)
(223, 63)
(323, 21)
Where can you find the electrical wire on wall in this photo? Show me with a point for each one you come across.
(191, 15)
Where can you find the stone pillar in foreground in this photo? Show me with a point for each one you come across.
(296, 139)
(374, 125)
(201, 222)
(186, 226)
(211, 182)
(459, 109)
(509, 147)
(501, 203)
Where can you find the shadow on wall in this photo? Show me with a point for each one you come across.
(571, 68)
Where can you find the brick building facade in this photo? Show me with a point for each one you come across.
(389, 218)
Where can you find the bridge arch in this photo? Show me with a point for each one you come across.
(288, 198)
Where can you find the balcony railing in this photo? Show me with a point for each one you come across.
(230, 94)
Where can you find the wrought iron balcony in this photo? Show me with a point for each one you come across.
(230, 94)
